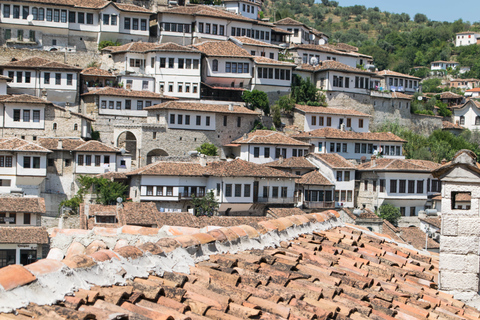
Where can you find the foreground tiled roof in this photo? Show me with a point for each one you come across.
(333, 65)
(269, 137)
(331, 133)
(268, 61)
(384, 164)
(120, 92)
(204, 107)
(139, 213)
(66, 143)
(144, 47)
(327, 272)
(327, 49)
(94, 71)
(222, 49)
(328, 110)
(284, 212)
(16, 144)
(39, 63)
(434, 221)
(334, 160)
(22, 205)
(95, 146)
(292, 163)
(396, 74)
(314, 178)
(22, 98)
(22, 235)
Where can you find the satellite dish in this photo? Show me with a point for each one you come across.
(313, 61)
(420, 98)
(30, 18)
(119, 200)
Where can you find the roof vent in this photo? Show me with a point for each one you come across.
(444, 161)
(60, 144)
(245, 136)
(374, 162)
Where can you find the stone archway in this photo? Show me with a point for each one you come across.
(128, 141)
(153, 154)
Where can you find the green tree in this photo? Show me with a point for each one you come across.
(286, 104)
(206, 205)
(420, 18)
(208, 149)
(305, 92)
(108, 43)
(256, 99)
(276, 116)
(389, 213)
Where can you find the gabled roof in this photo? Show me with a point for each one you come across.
(416, 237)
(333, 65)
(23, 235)
(447, 125)
(314, 178)
(399, 165)
(434, 221)
(327, 49)
(342, 47)
(364, 214)
(22, 98)
(333, 160)
(473, 90)
(269, 137)
(68, 144)
(94, 71)
(450, 95)
(463, 158)
(253, 42)
(92, 4)
(39, 63)
(441, 61)
(22, 205)
(272, 62)
(16, 144)
(120, 92)
(210, 11)
(95, 146)
(332, 111)
(291, 163)
(396, 74)
(202, 107)
(331, 133)
(144, 47)
(222, 49)
(289, 22)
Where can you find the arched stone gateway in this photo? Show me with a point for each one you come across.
(128, 141)
(153, 154)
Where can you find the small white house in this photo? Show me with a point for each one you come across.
(467, 115)
(443, 65)
(247, 8)
(398, 82)
(466, 38)
(302, 34)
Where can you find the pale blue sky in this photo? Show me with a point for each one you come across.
(439, 10)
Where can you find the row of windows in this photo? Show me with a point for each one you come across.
(399, 83)
(268, 73)
(250, 33)
(278, 152)
(13, 218)
(132, 23)
(234, 67)
(343, 175)
(211, 29)
(86, 160)
(26, 77)
(169, 63)
(185, 119)
(318, 195)
(31, 162)
(283, 192)
(28, 115)
(462, 120)
(343, 195)
(237, 189)
(6, 161)
(262, 54)
(405, 186)
(109, 19)
(128, 104)
(247, 7)
(20, 35)
(180, 87)
(321, 121)
(175, 27)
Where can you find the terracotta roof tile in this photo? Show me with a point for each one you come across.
(16, 144)
(333, 160)
(315, 178)
(92, 4)
(23, 235)
(279, 30)
(66, 143)
(292, 163)
(328, 110)
(449, 125)
(364, 214)
(222, 49)
(22, 205)
(450, 95)
(96, 146)
(253, 42)
(332, 65)
(288, 21)
(144, 47)
(22, 98)
(269, 137)
(39, 63)
(210, 11)
(195, 106)
(416, 237)
(120, 92)
(268, 61)
(342, 47)
(399, 165)
(463, 197)
(327, 49)
(396, 74)
(94, 71)
(435, 221)
(331, 133)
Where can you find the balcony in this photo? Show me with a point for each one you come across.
(318, 204)
(189, 195)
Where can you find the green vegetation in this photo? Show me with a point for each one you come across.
(256, 99)
(108, 43)
(106, 192)
(439, 145)
(389, 213)
(208, 149)
(205, 206)
(305, 92)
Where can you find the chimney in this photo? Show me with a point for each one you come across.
(60, 144)
(459, 272)
(203, 160)
(230, 107)
(444, 161)
(245, 136)
(373, 161)
(280, 159)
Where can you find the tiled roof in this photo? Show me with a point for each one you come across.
(23, 235)
(416, 237)
(441, 61)
(292, 163)
(288, 22)
(94, 71)
(401, 95)
(465, 80)
(53, 143)
(463, 197)
(342, 47)
(451, 125)
(334, 160)
(2, 77)
(203, 107)
(22, 98)
(268, 61)
(331, 133)
(396, 74)
(328, 110)
(269, 137)
(22, 205)
(113, 175)
(314, 178)
(139, 213)
(209, 11)
(144, 47)
(364, 214)
(331, 272)
(222, 49)
(253, 42)
(434, 221)
(92, 4)
(473, 90)
(385, 164)
(332, 65)
(326, 49)
(16, 144)
(284, 212)
(95, 146)
(279, 30)
(450, 95)
(120, 92)
(39, 63)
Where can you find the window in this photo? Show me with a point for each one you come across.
(81, 17)
(126, 23)
(332, 147)
(195, 63)
(69, 79)
(412, 212)
(19, 76)
(159, 191)
(8, 161)
(72, 17)
(31, 36)
(163, 62)
(274, 192)
(200, 27)
(314, 120)
(207, 121)
(420, 186)
(187, 120)
(89, 18)
(374, 185)
(344, 147)
(238, 190)
(172, 118)
(239, 122)
(149, 190)
(20, 35)
(16, 115)
(169, 191)
(58, 79)
(265, 192)
(26, 162)
(16, 12)
(339, 175)
(266, 152)
(106, 19)
(8, 34)
(246, 190)
(54, 126)
(256, 152)
(63, 16)
(171, 63)
(88, 160)
(382, 185)
(180, 119)
(103, 104)
(360, 123)
(26, 115)
(56, 15)
(207, 27)
(228, 190)
(198, 120)
(135, 24)
(139, 105)
(284, 192)
(402, 187)
(114, 20)
(128, 104)
(329, 121)
(365, 185)
(143, 25)
(411, 186)
(215, 65)
(6, 11)
(462, 120)
(228, 67)
(26, 218)
(347, 176)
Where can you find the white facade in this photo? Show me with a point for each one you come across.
(358, 150)
(443, 65)
(22, 171)
(272, 77)
(247, 8)
(305, 55)
(344, 82)
(125, 106)
(261, 153)
(399, 83)
(468, 116)
(303, 35)
(95, 162)
(466, 38)
(3, 86)
(354, 123)
(225, 72)
(190, 120)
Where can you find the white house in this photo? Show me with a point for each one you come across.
(313, 54)
(466, 38)
(193, 24)
(308, 118)
(398, 82)
(464, 84)
(39, 77)
(474, 92)
(257, 47)
(263, 146)
(237, 185)
(340, 172)
(247, 8)
(302, 34)
(359, 146)
(70, 26)
(162, 68)
(467, 115)
(443, 65)
(404, 183)
(272, 75)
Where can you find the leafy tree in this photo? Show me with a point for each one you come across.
(277, 115)
(108, 43)
(208, 149)
(256, 99)
(443, 109)
(205, 206)
(304, 91)
(286, 104)
(389, 213)
(420, 18)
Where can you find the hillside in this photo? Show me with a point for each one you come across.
(396, 41)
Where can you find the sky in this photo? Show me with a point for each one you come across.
(439, 10)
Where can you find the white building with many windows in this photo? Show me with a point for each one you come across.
(247, 8)
(312, 54)
(39, 77)
(466, 38)
(257, 47)
(398, 82)
(467, 115)
(301, 33)
(69, 26)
